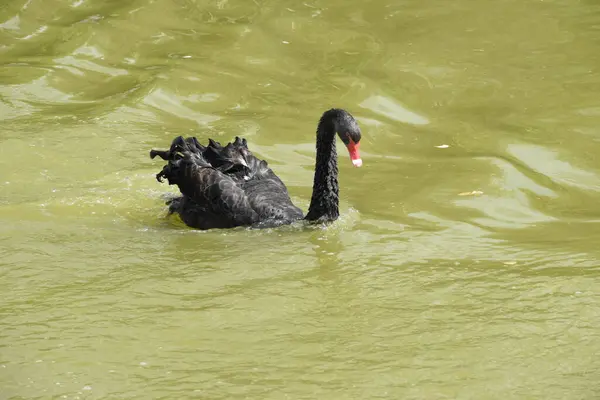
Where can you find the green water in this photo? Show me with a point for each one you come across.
(465, 263)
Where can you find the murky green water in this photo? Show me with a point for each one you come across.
(465, 265)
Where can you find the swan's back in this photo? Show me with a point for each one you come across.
(224, 186)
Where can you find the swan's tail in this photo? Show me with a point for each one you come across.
(187, 155)
(184, 157)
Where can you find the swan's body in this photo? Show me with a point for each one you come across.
(225, 187)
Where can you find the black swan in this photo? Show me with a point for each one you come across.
(226, 186)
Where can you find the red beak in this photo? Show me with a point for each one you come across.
(354, 153)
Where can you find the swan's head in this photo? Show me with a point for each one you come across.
(342, 122)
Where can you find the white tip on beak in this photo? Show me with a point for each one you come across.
(357, 162)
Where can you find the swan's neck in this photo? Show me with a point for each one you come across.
(324, 204)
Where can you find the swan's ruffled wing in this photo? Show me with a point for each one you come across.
(221, 196)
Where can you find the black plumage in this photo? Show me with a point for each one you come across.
(227, 186)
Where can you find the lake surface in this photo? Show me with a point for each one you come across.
(466, 261)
